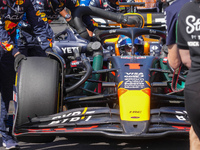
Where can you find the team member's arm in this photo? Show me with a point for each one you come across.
(185, 57)
(66, 15)
(173, 56)
(39, 27)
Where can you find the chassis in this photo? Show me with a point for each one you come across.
(84, 89)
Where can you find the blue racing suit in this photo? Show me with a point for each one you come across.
(48, 11)
(11, 12)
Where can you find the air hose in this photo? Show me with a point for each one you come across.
(97, 65)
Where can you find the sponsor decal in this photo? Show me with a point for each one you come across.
(52, 17)
(182, 116)
(44, 19)
(152, 31)
(139, 112)
(193, 24)
(50, 44)
(165, 60)
(135, 117)
(193, 43)
(110, 48)
(105, 4)
(154, 47)
(72, 117)
(126, 57)
(42, 14)
(19, 2)
(134, 80)
(14, 17)
(75, 63)
(61, 4)
(140, 57)
(112, 31)
(38, 13)
(7, 46)
(94, 23)
(69, 50)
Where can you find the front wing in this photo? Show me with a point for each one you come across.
(106, 122)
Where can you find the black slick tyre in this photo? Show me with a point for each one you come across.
(37, 88)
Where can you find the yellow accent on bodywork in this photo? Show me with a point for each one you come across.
(120, 83)
(134, 105)
(149, 19)
(115, 41)
(148, 83)
(16, 78)
(84, 110)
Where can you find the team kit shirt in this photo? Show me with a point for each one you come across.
(11, 12)
(48, 9)
(188, 37)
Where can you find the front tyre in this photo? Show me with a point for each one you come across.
(37, 91)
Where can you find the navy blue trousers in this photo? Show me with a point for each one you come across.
(7, 77)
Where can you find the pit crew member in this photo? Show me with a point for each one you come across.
(11, 12)
(188, 43)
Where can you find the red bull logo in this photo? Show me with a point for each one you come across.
(38, 13)
(45, 19)
(7, 46)
(42, 15)
(94, 23)
(19, 2)
(50, 44)
(10, 25)
(61, 4)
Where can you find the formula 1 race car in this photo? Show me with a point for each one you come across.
(84, 89)
(117, 96)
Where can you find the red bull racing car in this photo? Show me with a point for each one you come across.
(84, 89)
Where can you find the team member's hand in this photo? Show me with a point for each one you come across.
(18, 58)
